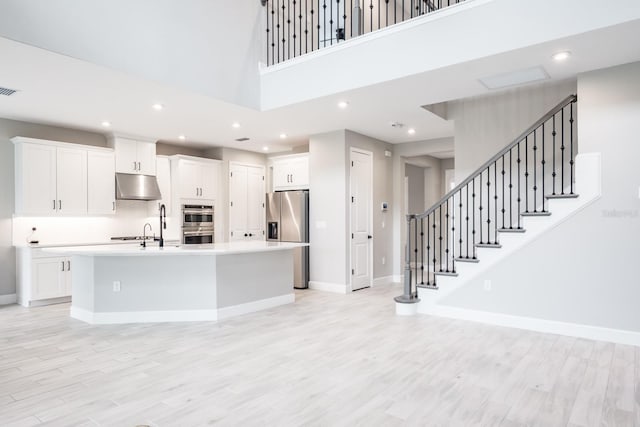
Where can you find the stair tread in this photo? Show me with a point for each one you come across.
(562, 196)
(462, 259)
(511, 230)
(489, 245)
(539, 213)
(445, 273)
(425, 286)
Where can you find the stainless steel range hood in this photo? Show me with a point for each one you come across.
(137, 187)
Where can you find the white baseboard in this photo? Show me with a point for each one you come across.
(328, 287)
(384, 280)
(111, 318)
(8, 299)
(250, 307)
(617, 336)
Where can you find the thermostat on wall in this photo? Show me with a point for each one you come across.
(384, 206)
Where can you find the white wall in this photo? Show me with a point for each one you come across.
(486, 124)
(209, 46)
(584, 271)
(328, 262)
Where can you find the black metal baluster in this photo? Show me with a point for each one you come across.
(371, 15)
(440, 238)
(379, 15)
(278, 27)
(553, 174)
(542, 195)
(495, 202)
(386, 23)
(415, 250)
(503, 209)
(526, 174)
(460, 222)
(467, 220)
(434, 247)
(562, 154)
(422, 251)
(480, 209)
(519, 194)
(300, 27)
(344, 19)
(510, 189)
(351, 17)
(411, 15)
(403, 10)
(446, 252)
(288, 36)
(331, 34)
(571, 161)
(294, 28)
(313, 12)
(428, 249)
(395, 11)
(489, 205)
(535, 171)
(473, 215)
(267, 5)
(324, 21)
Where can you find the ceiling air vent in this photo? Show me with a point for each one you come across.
(6, 91)
(242, 139)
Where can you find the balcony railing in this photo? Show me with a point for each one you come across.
(297, 27)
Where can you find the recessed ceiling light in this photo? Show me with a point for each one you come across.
(235, 125)
(562, 56)
(343, 104)
(182, 137)
(411, 131)
(106, 124)
(265, 148)
(157, 107)
(283, 136)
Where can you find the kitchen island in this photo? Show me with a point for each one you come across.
(129, 284)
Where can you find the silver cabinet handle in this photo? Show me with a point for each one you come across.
(135, 166)
(54, 205)
(68, 265)
(59, 205)
(139, 167)
(62, 265)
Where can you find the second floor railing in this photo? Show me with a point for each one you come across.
(297, 27)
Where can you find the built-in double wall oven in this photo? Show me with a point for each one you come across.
(198, 224)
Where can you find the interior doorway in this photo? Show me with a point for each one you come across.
(361, 212)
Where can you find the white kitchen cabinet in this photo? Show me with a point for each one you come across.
(50, 178)
(101, 183)
(134, 157)
(291, 172)
(194, 178)
(246, 202)
(42, 278)
(163, 175)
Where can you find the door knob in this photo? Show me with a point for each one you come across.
(369, 237)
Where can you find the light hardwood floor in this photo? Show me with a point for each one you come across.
(326, 360)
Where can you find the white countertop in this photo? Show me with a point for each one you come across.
(212, 249)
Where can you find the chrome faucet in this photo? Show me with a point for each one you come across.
(144, 234)
(163, 223)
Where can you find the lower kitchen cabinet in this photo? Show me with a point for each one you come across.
(42, 278)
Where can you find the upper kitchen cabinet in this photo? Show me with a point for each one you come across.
(195, 178)
(163, 174)
(291, 172)
(101, 171)
(133, 156)
(50, 177)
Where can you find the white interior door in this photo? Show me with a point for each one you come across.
(361, 219)
(255, 202)
(237, 202)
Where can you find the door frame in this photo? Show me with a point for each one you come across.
(370, 154)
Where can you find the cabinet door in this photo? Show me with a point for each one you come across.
(190, 178)
(37, 171)
(255, 192)
(237, 202)
(71, 188)
(48, 277)
(281, 175)
(209, 183)
(299, 170)
(101, 196)
(66, 278)
(146, 157)
(163, 174)
(126, 155)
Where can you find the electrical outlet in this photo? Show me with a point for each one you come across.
(116, 286)
(487, 285)
(384, 260)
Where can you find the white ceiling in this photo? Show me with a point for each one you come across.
(60, 90)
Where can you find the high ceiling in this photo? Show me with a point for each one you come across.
(61, 90)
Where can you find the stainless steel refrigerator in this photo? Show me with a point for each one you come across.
(288, 221)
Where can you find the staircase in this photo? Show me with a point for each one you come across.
(524, 190)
